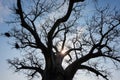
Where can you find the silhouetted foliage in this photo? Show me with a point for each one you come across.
(17, 46)
(7, 34)
(57, 45)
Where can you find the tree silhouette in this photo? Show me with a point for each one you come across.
(56, 48)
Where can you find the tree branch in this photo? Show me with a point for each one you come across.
(63, 19)
(23, 64)
(72, 68)
(19, 11)
(70, 50)
(93, 70)
(39, 70)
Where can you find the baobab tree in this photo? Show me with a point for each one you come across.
(56, 48)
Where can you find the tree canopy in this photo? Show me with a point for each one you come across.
(56, 45)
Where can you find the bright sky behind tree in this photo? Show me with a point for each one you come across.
(7, 52)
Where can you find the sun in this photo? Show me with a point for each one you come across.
(63, 51)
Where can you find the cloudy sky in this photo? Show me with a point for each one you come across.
(6, 51)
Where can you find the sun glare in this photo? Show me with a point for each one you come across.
(63, 51)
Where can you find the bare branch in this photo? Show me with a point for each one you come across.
(26, 26)
(97, 72)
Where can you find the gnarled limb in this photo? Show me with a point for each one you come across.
(20, 65)
(19, 11)
(97, 72)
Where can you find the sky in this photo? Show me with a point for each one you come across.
(7, 52)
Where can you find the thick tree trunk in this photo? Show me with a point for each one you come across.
(56, 73)
(55, 76)
(52, 76)
(54, 69)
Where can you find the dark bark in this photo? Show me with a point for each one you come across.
(53, 59)
(53, 70)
